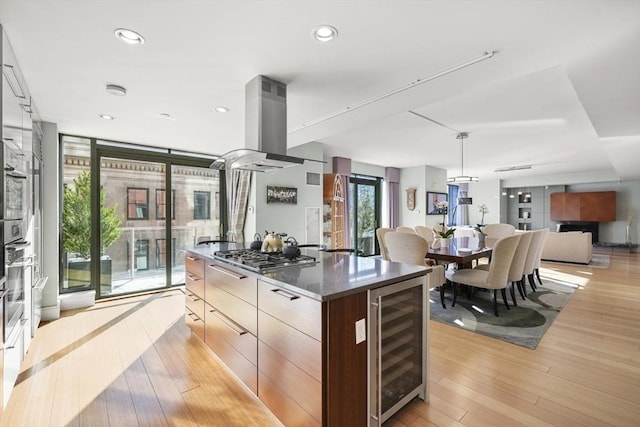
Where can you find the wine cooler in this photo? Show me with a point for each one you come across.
(398, 353)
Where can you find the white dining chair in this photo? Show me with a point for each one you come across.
(496, 277)
(411, 249)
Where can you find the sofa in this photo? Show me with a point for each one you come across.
(572, 246)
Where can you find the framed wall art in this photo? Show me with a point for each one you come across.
(284, 195)
(432, 203)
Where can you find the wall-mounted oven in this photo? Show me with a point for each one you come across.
(14, 296)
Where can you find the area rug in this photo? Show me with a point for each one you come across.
(523, 325)
(597, 261)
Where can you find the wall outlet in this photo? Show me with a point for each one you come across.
(361, 331)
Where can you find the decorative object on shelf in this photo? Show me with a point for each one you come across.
(462, 177)
(433, 199)
(285, 195)
(631, 214)
(411, 198)
(483, 209)
(445, 233)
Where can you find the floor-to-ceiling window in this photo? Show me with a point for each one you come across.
(142, 235)
(364, 212)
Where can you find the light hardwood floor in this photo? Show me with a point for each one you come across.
(132, 362)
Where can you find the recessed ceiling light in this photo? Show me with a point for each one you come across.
(221, 109)
(325, 33)
(128, 36)
(106, 116)
(116, 90)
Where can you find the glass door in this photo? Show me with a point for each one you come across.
(195, 213)
(364, 213)
(130, 220)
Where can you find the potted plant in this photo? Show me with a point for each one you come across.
(76, 231)
(445, 234)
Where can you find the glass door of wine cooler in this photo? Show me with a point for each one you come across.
(398, 352)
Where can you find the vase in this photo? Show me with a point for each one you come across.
(481, 242)
(444, 242)
(628, 239)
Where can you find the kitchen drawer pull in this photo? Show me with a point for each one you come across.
(190, 258)
(194, 278)
(228, 322)
(285, 294)
(227, 272)
(194, 317)
(197, 298)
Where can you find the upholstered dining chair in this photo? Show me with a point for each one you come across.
(538, 258)
(426, 233)
(517, 265)
(411, 249)
(533, 257)
(496, 277)
(494, 232)
(404, 229)
(380, 233)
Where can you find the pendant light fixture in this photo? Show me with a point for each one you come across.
(462, 177)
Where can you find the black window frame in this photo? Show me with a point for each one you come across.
(145, 212)
(173, 203)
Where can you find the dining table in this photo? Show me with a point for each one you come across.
(460, 250)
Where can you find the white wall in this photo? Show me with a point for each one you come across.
(283, 218)
(50, 221)
(485, 192)
(423, 179)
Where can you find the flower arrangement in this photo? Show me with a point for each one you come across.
(483, 209)
(442, 207)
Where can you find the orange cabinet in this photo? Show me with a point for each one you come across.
(596, 206)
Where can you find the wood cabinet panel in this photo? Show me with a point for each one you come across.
(282, 406)
(240, 311)
(595, 206)
(346, 370)
(194, 284)
(291, 380)
(302, 350)
(237, 351)
(194, 265)
(194, 303)
(195, 323)
(297, 311)
(238, 284)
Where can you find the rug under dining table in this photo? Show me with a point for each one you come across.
(523, 325)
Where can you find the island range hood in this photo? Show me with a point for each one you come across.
(265, 130)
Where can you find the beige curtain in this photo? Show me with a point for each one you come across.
(238, 186)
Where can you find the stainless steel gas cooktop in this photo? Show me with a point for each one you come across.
(263, 262)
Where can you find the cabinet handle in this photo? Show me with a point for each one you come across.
(227, 272)
(193, 295)
(194, 317)
(194, 278)
(190, 258)
(228, 322)
(285, 294)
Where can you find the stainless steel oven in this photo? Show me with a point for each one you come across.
(14, 297)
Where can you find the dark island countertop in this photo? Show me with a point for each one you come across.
(334, 276)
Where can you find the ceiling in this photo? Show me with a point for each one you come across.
(561, 94)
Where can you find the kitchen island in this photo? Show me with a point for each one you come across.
(298, 335)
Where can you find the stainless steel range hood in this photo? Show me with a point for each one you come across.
(265, 130)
